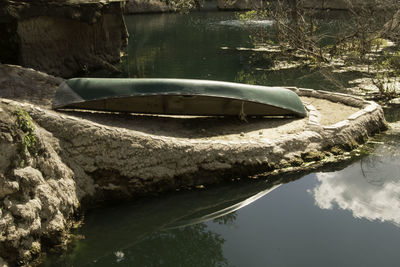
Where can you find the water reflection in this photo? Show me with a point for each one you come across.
(190, 46)
(189, 246)
(369, 189)
(153, 232)
(171, 230)
(220, 213)
(183, 46)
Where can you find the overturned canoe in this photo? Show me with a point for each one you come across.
(177, 97)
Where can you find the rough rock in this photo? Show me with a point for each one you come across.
(62, 38)
(24, 84)
(126, 157)
(38, 193)
(125, 161)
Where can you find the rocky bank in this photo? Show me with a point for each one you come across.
(39, 193)
(52, 162)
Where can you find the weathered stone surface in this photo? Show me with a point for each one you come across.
(126, 160)
(27, 85)
(38, 193)
(239, 4)
(62, 37)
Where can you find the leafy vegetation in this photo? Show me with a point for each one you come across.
(25, 123)
(183, 5)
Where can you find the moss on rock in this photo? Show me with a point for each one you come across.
(312, 156)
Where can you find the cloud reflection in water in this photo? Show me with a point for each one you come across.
(369, 188)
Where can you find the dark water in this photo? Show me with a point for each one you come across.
(185, 46)
(342, 215)
(202, 46)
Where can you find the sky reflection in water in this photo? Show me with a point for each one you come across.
(369, 189)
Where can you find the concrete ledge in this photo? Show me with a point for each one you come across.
(158, 162)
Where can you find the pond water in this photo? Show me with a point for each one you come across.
(342, 215)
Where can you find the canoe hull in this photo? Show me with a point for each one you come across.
(177, 97)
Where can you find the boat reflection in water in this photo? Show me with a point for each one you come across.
(217, 212)
(144, 228)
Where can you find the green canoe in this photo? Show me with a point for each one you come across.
(177, 97)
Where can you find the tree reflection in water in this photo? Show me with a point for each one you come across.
(228, 219)
(192, 245)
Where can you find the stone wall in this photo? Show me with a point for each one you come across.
(62, 38)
